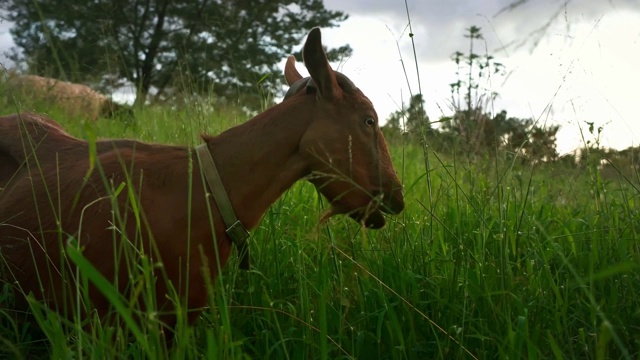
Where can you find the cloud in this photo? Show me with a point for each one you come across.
(439, 25)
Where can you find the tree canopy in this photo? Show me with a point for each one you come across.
(226, 46)
(412, 118)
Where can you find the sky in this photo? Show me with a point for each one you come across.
(583, 68)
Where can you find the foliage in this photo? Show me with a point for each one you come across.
(479, 132)
(228, 46)
(506, 261)
(612, 164)
(412, 118)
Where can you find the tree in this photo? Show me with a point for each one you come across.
(533, 143)
(411, 119)
(225, 45)
(479, 132)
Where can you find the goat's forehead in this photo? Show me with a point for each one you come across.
(352, 92)
(358, 100)
(345, 83)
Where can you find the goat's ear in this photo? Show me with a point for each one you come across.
(316, 62)
(291, 74)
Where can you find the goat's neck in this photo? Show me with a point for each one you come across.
(259, 160)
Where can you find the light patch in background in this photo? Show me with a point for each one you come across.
(588, 73)
(587, 78)
(6, 43)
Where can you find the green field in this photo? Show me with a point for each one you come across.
(490, 259)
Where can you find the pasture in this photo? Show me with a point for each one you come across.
(490, 259)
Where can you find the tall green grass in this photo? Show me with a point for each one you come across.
(490, 259)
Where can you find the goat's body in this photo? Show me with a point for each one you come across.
(69, 203)
(66, 203)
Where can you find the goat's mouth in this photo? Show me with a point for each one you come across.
(368, 210)
(371, 216)
(370, 219)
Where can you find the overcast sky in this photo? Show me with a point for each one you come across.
(585, 68)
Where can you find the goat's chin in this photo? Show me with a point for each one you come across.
(370, 219)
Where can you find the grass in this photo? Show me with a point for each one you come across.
(490, 259)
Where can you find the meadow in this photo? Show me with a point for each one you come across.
(490, 259)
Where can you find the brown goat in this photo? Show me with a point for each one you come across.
(326, 131)
(34, 140)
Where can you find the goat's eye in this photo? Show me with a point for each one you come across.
(370, 122)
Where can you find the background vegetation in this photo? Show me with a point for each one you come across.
(505, 250)
(221, 47)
